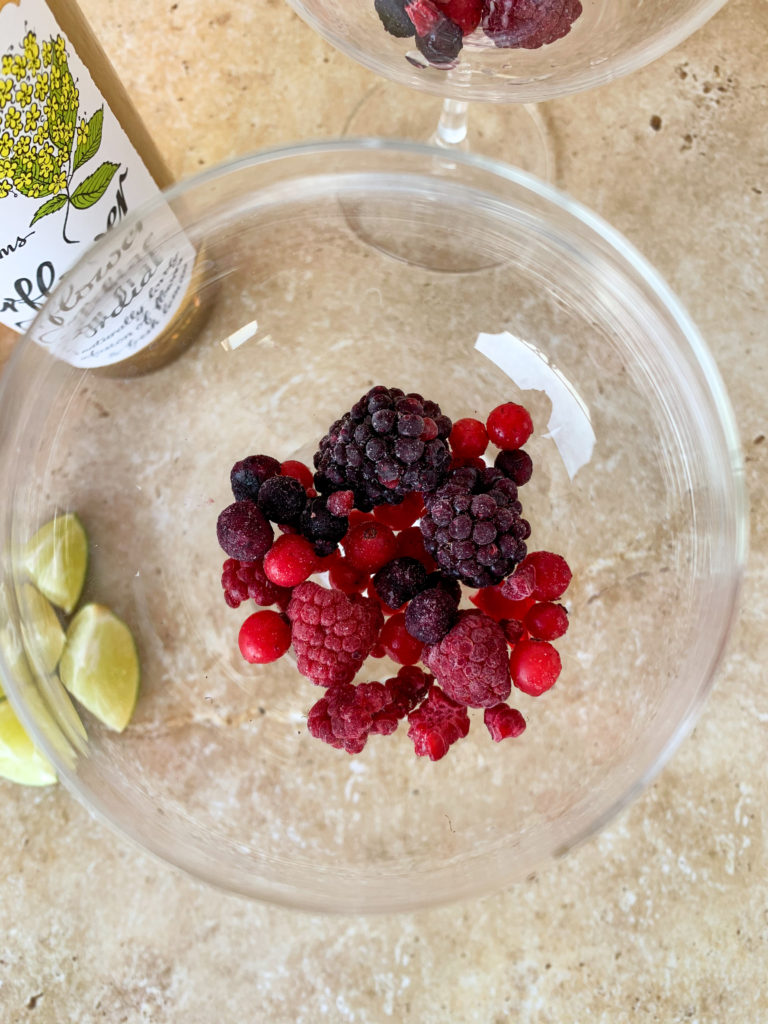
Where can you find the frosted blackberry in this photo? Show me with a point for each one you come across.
(282, 499)
(249, 474)
(400, 580)
(473, 526)
(387, 446)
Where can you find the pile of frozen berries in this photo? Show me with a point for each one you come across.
(402, 509)
(439, 27)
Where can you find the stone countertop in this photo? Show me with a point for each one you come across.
(664, 916)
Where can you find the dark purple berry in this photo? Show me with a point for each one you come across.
(400, 580)
(431, 614)
(282, 499)
(320, 526)
(394, 19)
(243, 532)
(249, 474)
(516, 465)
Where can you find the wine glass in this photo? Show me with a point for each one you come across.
(517, 52)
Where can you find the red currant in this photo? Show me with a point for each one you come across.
(546, 621)
(509, 426)
(535, 666)
(346, 578)
(398, 517)
(264, 636)
(468, 438)
(550, 572)
(369, 546)
(398, 642)
(290, 560)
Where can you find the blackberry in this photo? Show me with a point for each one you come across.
(387, 446)
(319, 525)
(400, 580)
(394, 17)
(249, 474)
(282, 499)
(474, 528)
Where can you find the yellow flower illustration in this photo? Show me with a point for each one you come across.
(5, 188)
(47, 53)
(6, 89)
(82, 133)
(18, 67)
(13, 121)
(42, 86)
(31, 49)
(7, 64)
(33, 117)
(6, 145)
(23, 95)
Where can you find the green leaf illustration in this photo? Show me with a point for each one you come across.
(94, 186)
(66, 98)
(85, 151)
(50, 207)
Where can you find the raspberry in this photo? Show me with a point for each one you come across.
(398, 643)
(399, 517)
(243, 580)
(400, 580)
(466, 13)
(437, 724)
(369, 546)
(509, 426)
(320, 526)
(344, 717)
(243, 532)
(300, 472)
(344, 576)
(546, 621)
(410, 544)
(471, 662)
(394, 19)
(550, 572)
(332, 633)
(341, 503)
(519, 585)
(264, 637)
(379, 449)
(516, 464)
(468, 439)
(282, 499)
(249, 474)
(503, 721)
(290, 560)
(407, 689)
(528, 23)
(535, 666)
(431, 614)
(473, 527)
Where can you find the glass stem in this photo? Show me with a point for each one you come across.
(451, 131)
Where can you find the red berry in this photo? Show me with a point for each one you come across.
(546, 621)
(437, 724)
(290, 560)
(398, 642)
(468, 438)
(398, 517)
(369, 546)
(519, 585)
(264, 637)
(466, 13)
(341, 503)
(503, 721)
(514, 630)
(551, 574)
(345, 577)
(299, 472)
(410, 544)
(492, 601)
(509, 426)
(356, 517)
(535, 666)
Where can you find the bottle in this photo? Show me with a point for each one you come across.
(75, 158)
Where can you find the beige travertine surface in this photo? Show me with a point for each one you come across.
(664, 917)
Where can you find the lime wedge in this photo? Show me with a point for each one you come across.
(56, 559)
(41, 628)
(100, 665)
(19, 761)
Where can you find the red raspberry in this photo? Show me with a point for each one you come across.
(264, 637)
(243, 531)
(519, 586)
(344, 576)
(509, 426)
(398, 517)
(344, 717)
(300, 472)
(468, 438)
(471, 662)
(535, 666)
(546, 621)
(332, 633)
(369, 546)
(406, 690)
(290, 560)
(466, 13)
(437, 724)
(398, 642)
(243, 580)
(503, 721)
(528, 23)
(410, 544)
(550, 572)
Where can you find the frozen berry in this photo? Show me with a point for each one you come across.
(509, 426)
(468, 439)
(244, 580)
(437, 37)
(551, 574)
(528, 23)
(492, 601)
(320, 526)
(471, 662)
(431, 614)
(398, 643)
(282, 499)
(535, 666)
(437, 724)
(249, 474)
(290, 560)
(394, 18)
(503, 721)
(400, 580)
(513, 629)
(401, 516)
(345, 716)
(407, 689)
(243, 532)
(369, 546)
(332, 633)
(264, 636)
(466, 13)
(519, 585)
(300, 472)
(410, 544)
(341, 503)
(546, 621)
(343, 576)
(515, 464)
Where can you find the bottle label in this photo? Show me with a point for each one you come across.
(68, 175)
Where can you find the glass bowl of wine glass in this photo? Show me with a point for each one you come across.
(636, 481)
